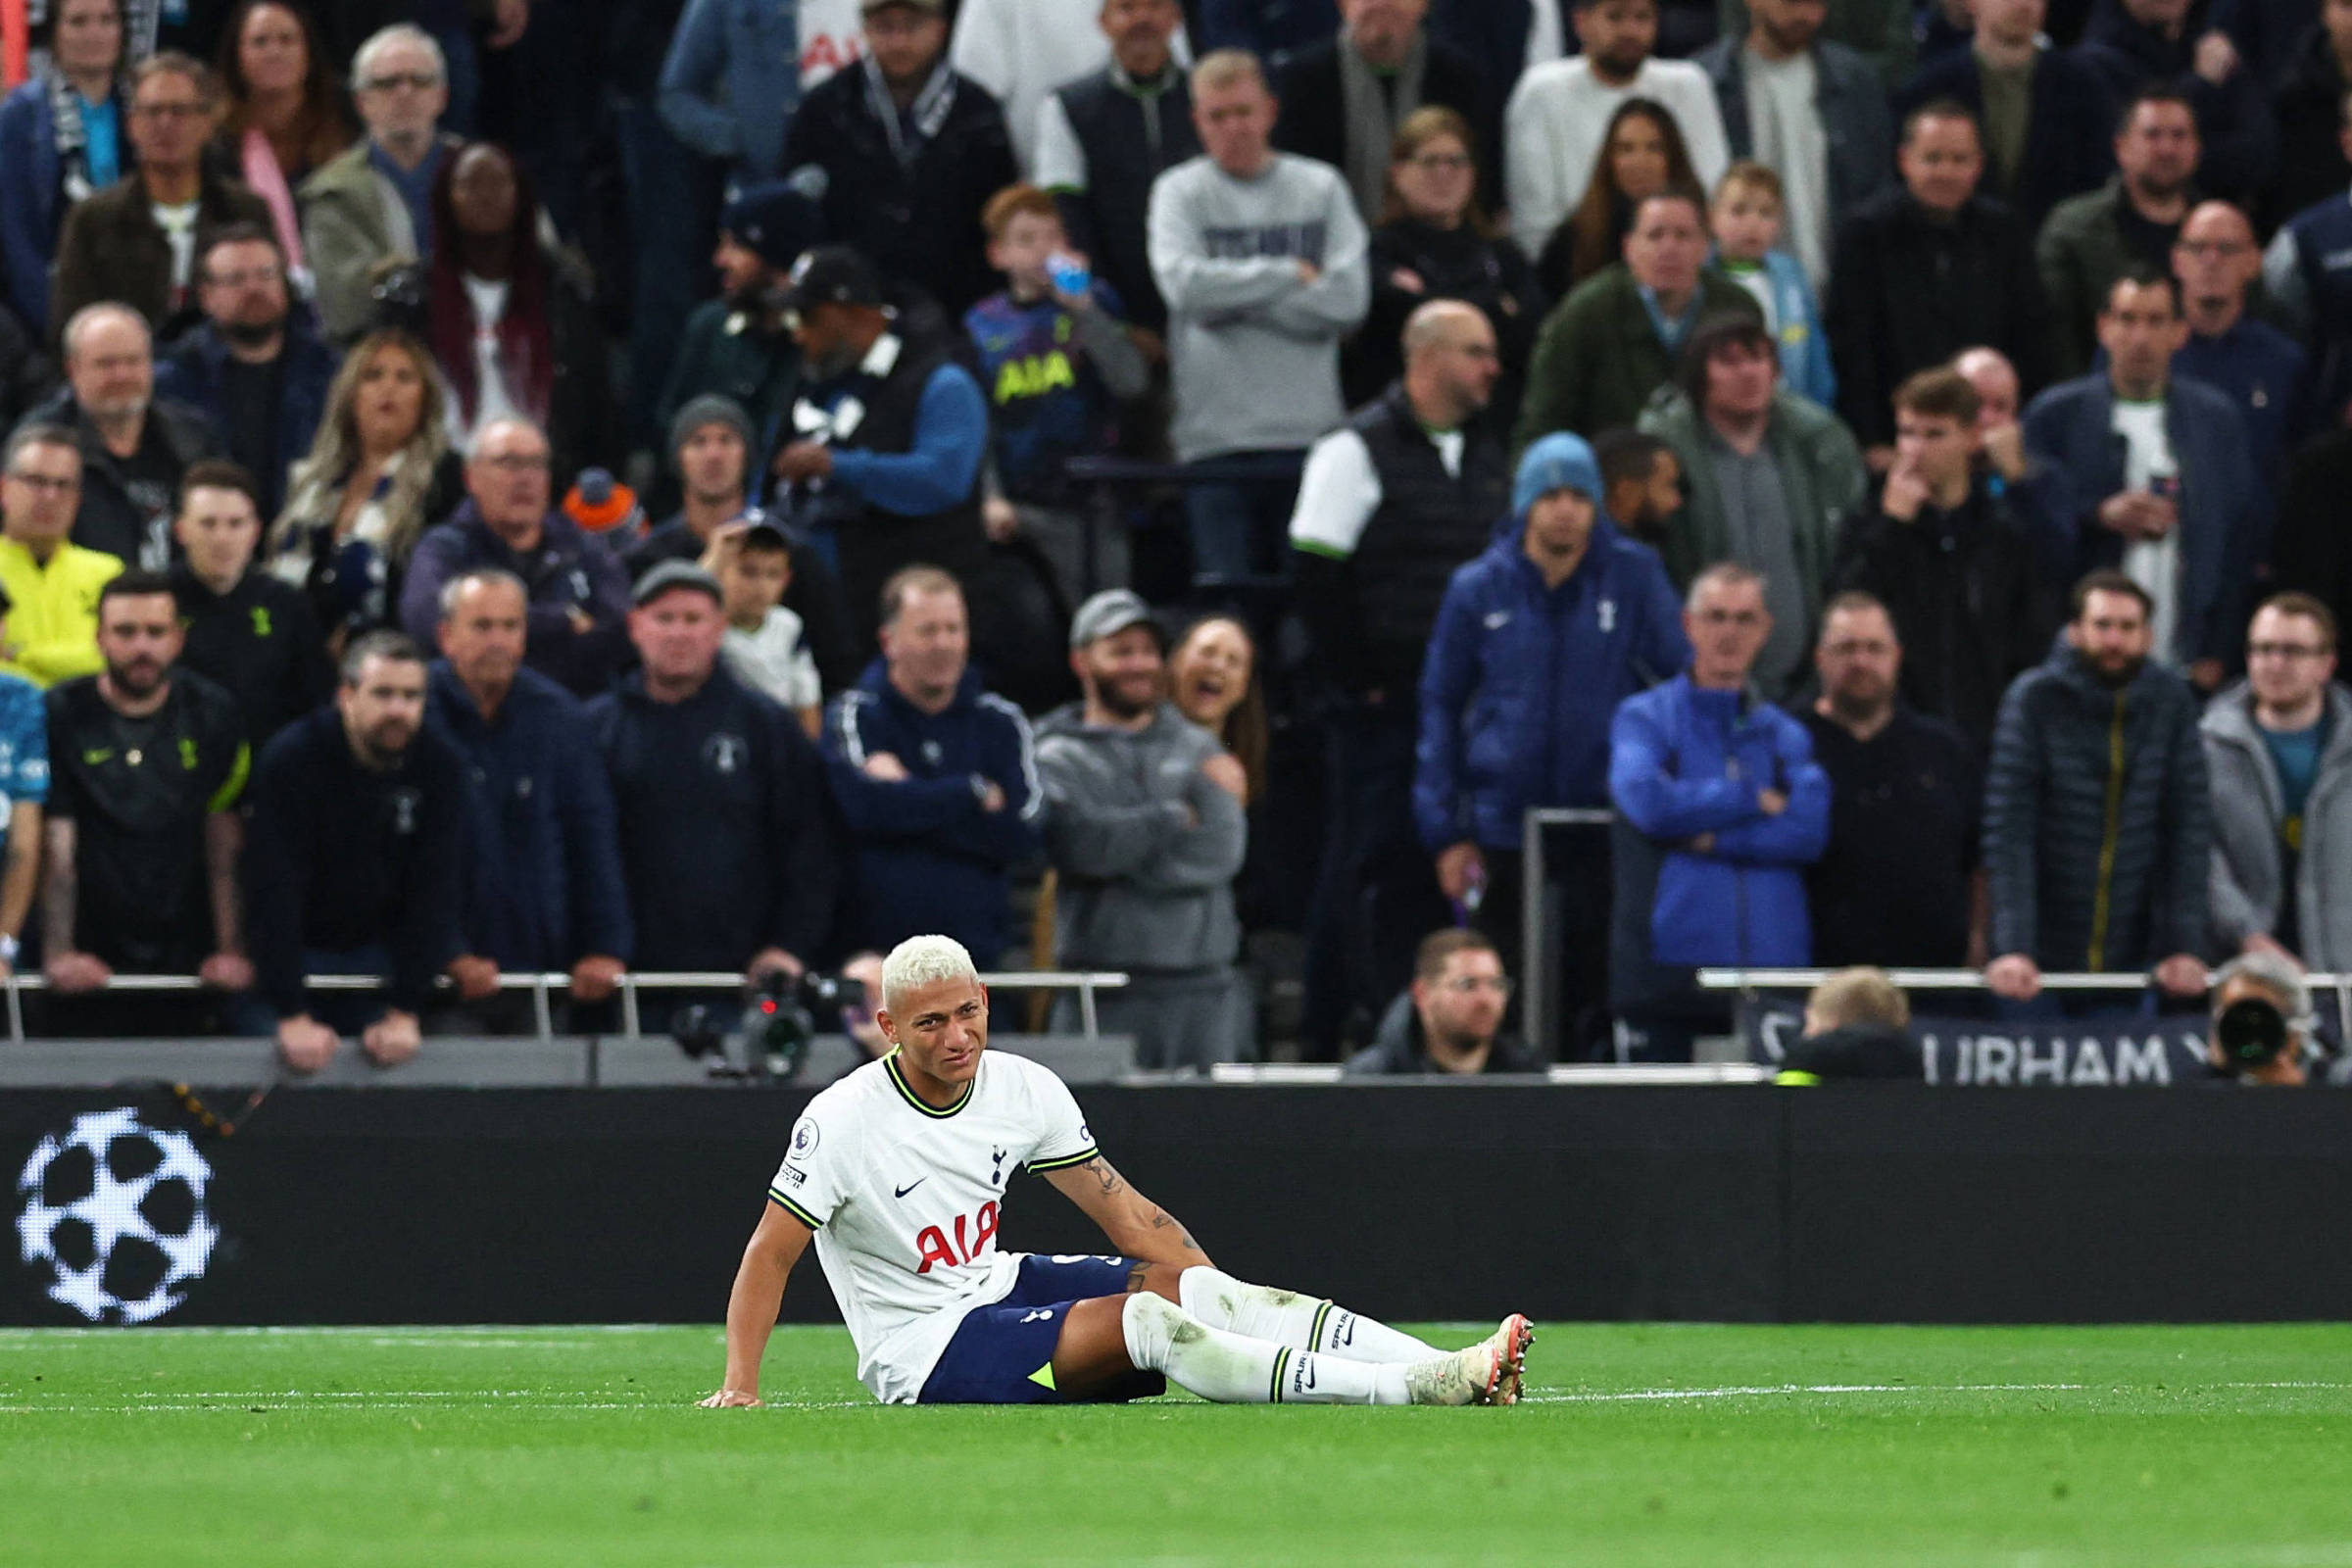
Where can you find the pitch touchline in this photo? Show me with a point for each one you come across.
(1764, 1390)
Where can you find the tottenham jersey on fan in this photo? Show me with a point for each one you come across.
(905, 1200)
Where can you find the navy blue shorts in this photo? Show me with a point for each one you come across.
(1004, 1351)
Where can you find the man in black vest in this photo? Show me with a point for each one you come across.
(1391, 504)
(887, 438)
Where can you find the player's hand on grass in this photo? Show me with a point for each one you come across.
(1225, 772)
(596, 977)
(392, 1039)
(476, 977)
(77, 971)
(227, 971)
(730, 1400)
(306, 1044)
(2015, 976)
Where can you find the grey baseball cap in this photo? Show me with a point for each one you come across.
(677, 575)
(1110, 613)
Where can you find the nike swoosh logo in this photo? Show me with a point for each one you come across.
(901, 1192)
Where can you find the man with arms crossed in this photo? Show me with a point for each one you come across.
(904, 1217)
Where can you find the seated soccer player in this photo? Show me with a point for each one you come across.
(898, 1171)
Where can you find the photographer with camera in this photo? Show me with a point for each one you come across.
(2262, 1023)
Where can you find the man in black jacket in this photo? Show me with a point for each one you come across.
(1927, 270)
(246, 629)
(1343, 98)
(910, 152)
(1450, 1020)
(353, 860)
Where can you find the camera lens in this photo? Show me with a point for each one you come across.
(2252, 1031)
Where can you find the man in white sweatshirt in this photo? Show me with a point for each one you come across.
(1261, 259)
(1558, 113)
(1022, 50)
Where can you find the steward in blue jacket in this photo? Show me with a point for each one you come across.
(543, 880)
(1535, 645)
(934, 847)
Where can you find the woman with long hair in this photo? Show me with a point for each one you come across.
(1212, 679)
(508, 316)
(379, 473)
(284, 114)
(64, 135)
(1641, 154)
(1435, 242)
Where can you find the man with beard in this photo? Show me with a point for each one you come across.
(2088, 241)
(1451, 1019)
(2098, 824)
(353, 860)
(134, 446)
(1894, 887)
(1144, 826)
(253, 365)
(740, 346)
(140, 874)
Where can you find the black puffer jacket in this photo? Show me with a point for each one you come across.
(2096, 867)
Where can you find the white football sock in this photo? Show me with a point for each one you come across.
(1305, 1322)
(1233, 1370)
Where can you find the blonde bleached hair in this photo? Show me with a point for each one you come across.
(920, 961)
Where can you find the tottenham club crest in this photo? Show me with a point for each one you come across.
(114, 1212)
(725, 752)
(405, 803)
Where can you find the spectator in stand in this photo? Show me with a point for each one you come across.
(282, 115)
(765, 644)
(1812, 109)
(2311, 549)
(373, 204)
(906, 191)
(508, 316)
(727, 832)
(25, 786)
(738, 346)
(2144, 44)
(1744, 219)
(731, 81)
(1642, 155)
(1559, 115)
(134, 445)
(2088, 241)
(936, 777)
(2278, 751)
(1266, 28)
(139, 874)
(1897, 884)
(2308, 272)
(379, 473)
(1606, 348)
(2097, 820)
(247, 632)
(1948, 562)
(1435, 242)
(1927, 270)
(543, 888)
(1104, 139)
(64, 136)
(2309, 104)
(2157, 479)
(1450, 1019)
(889, 437)
(1263, 264)
(1345, 97)
(1881, 30)
(355, 861)
(253, 366)
(1727, 805)
(2258, 366)
(1391, 504)
(1771, 476)
(1536, 643)
(710, 445)
(51, 585)
(1641, 482)
(1857, 1025)
(578, 592)
(1022, 50)
(2010, 472)
(1058, 363)
(1212, 679)
(2045, 113)
(135, 242)
(1145, 831)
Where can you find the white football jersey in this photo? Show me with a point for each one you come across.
(905, 1199)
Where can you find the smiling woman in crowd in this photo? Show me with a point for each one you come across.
(284, 115)
(61, 138)
(1213, 680)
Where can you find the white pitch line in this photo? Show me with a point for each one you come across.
(1767, 1391)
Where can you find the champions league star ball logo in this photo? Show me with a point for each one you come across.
(115, 1210)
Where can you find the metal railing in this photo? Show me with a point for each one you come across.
(543, 987)
(1535, 935)
(1732, 979)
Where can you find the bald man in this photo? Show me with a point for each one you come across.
(2218, 261)
(1391, 504)
(2010, 472)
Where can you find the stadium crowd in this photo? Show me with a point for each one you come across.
(723, 485)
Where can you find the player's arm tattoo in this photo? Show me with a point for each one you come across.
(1162, 1220)
(1107, 1180)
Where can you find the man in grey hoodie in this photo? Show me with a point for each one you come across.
(1144, 827)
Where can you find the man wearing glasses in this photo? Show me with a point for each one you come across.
(373, 203)
(51, 630)
(579, 595)
(2278, 751)
(1451, 1019)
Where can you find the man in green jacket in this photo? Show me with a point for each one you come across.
(2090, 240)
(1770, 477)
(1613, 341)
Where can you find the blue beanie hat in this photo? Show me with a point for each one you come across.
(1558, 462)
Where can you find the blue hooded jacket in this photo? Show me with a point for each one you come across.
(929, 857)
(1521, 680)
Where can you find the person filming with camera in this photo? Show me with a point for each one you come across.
(2262, 1024)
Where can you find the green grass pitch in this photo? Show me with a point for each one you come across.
(1640, 1445)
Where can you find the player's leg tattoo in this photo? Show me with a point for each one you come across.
(1286, 1317)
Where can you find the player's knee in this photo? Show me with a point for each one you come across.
(1153, 1325)
(1209, 1293)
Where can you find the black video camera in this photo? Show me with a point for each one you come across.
(784, 1014)
(2251, 1033)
